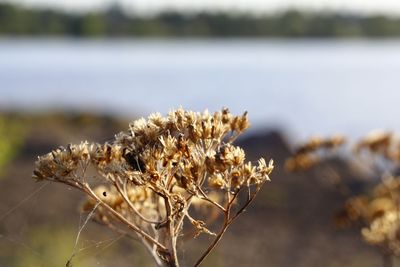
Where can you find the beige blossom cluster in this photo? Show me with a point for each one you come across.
(383, 144)
(380, 213)
(146, 181)
(377, 212)
(307, 155)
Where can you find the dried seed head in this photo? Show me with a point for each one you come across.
(306, 155)
(150, 174)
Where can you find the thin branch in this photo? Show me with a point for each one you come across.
(151, 248)
(68, 264)
(227, 222)
(248, 202)
(216, 240)
(153, 251)
(205, 197)
(89, 191)
(130, 204)
(179, 224)
(171, 232)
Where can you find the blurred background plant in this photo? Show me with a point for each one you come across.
(12, 136)
(374, 209)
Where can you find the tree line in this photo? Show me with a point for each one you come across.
(16, 20)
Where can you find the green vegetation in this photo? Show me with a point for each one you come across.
(51, 246)
(16, 20)
(46, 247)
(11, 138)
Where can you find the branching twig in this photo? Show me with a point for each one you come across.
(164, 162)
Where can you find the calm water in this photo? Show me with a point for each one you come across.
(307, 87)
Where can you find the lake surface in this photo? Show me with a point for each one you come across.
(305, 86)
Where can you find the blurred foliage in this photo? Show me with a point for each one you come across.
(16, 20)
(51, 247)
(12, 134)
(47, 247)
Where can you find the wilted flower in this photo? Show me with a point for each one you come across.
(380, 214)
(307, 155)
(150, 175)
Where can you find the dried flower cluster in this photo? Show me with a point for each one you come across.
(380, 214)
(147, 179)
(379, 211)
(381, 144)
(307, 155)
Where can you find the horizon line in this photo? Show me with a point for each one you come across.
(138, 8)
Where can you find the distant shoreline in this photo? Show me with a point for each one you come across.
(16, 20)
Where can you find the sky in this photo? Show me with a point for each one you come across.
(388, 7)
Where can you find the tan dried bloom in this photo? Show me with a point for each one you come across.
(307, 155)
(301, 162)
(378, 211)
(151, 175)
(217, 181)
(380, 214)
(377, 141)
(385, 232)
(382, 144)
